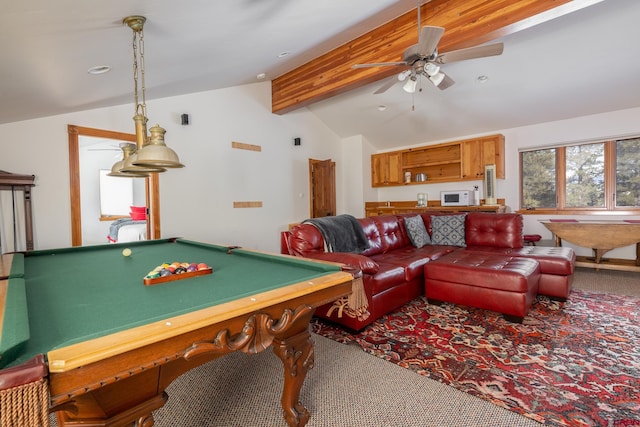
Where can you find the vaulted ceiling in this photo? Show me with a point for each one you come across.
(561, 59)
(467, 24)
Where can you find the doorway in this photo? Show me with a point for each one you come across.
(152, 187)
(322, 182)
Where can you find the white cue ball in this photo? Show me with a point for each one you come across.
(126, 252)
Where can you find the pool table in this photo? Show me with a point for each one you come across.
(106, 345)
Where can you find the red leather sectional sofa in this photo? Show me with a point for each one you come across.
(394, 269)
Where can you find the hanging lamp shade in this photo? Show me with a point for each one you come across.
(151, 155)
(155, 153)
(129, 167)
(141, 140)
(116, 169)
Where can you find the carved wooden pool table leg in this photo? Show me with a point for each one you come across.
(297, 356)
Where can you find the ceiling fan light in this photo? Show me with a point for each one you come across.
(403, 75)
(410, 85)
(431, 69)
(437, 79)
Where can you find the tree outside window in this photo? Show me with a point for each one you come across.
(591, 176)
(539, 179)
(628, 172)
(585, 176)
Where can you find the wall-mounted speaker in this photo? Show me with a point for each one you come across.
(490, 185)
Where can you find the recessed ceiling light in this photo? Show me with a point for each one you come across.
(100, 69)
(382, 107)
(283, 54)
(261, 76)
(483, 78)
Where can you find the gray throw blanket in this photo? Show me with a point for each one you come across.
(341, 233)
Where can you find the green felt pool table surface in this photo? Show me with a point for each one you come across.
(80, 326)
(77, 294)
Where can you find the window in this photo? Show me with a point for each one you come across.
(628, 172)
(584, 170)
(539, 179)
(116, 194)
(593, 176)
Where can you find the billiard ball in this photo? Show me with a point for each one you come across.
(126, 252)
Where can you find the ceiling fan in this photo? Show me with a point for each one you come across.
(423, 59)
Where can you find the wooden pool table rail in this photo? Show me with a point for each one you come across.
(5, 265)
(84, 353)
(137, 379)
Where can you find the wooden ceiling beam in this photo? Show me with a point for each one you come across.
(467, 23)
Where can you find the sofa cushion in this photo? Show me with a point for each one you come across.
(505, 273)
(373, 235)
(305, 240)
(416, 231)
(387, 277)
(427, 215)
(489, 229)
(552, 260)
(413, 259)
(448, 230)
(392, 232)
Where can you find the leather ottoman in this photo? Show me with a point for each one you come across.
(556, 266)
(505, 284)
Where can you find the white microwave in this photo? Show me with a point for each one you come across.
(456, 198)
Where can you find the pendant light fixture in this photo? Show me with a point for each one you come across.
(141, 161)
(128, 149)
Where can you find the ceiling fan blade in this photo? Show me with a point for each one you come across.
(446, 82)
(428, 40)
(385, 87)
(378, 64)
(470, 53)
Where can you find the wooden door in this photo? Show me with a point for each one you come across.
(322, 179)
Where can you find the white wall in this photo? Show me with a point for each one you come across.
(595, 127)
(355, 171)
(197, 201)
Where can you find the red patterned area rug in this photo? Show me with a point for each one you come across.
(569, 364)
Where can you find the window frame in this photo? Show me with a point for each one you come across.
(609, 207)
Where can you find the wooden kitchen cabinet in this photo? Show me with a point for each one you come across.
(386, 169)
(447, 162)
(441, 163)
(476, 153)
